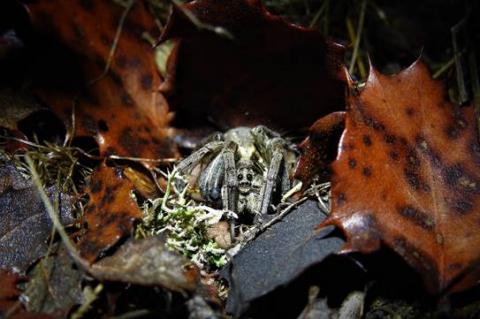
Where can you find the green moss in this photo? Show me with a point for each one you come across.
(185, 224)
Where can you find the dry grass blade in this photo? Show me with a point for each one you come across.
(128, 6)
(355, 57)
(53, 162)
(54, 215)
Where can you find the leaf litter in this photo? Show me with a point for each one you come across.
(25, 225)
(54, 284)
(139, 251)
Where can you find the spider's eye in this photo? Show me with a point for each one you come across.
(249, 177)
(239, 177)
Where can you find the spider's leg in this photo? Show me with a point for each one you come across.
(272, 174)
(186, 166)
(285, 181)
(229, 189)
(197, 156)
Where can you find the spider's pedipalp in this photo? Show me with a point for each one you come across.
(211, 180)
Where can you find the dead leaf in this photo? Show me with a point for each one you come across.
(121, 108)
(319, 149)
(148, 262)
(10, 306)
(261, 266)
(220, 233)
(110, 213)
(16, 106)
(54, 284)
(271, 73)
(24, 223)
(9, 291)
(143, 183)
(408, 175)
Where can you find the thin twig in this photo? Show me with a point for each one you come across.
(326, 19)
(318, 13)
(71, 132)
(141, 159)
(352, 36)
(282, 214)
(444, 67)
(463, 94)
(90, 296)
(253, 232)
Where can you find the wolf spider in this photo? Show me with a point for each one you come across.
(244, 169)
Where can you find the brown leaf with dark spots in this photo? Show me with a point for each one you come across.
(24, 222)
(271, 72)
(123, 109)
(319, 148)
(408, 175)
(110, 213)
(148, 262)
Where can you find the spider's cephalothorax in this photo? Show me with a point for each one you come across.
(243, 168)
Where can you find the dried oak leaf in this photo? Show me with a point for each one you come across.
(121, 108)
(408, 175)
(110, 213)
(24, 222)
(268, 72)
(148, 262)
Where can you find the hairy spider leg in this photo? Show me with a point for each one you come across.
(189, 163)
(229, 189)
(276, 149)
(197, 156)
(285, 182)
